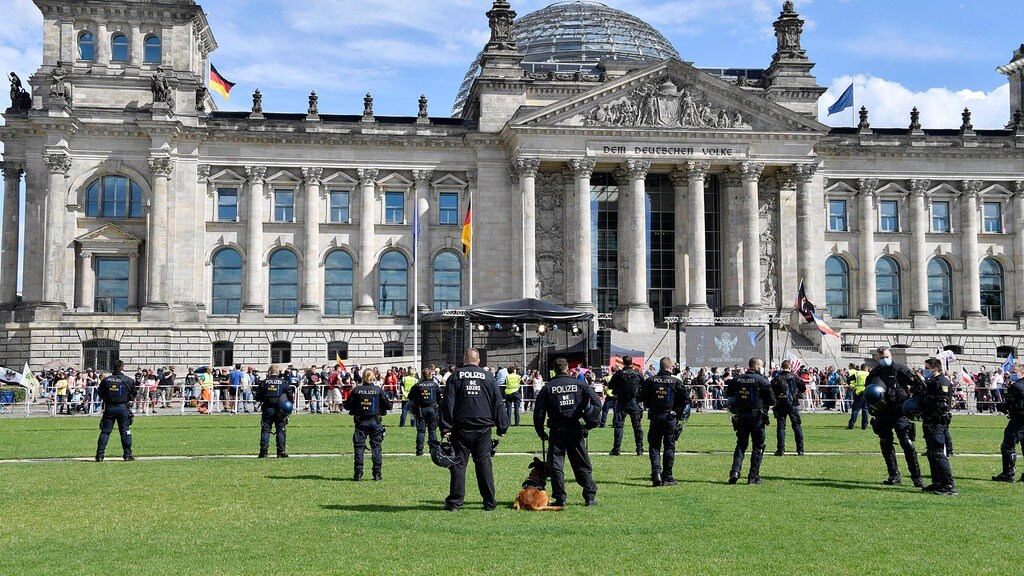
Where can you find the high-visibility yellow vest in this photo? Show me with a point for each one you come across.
(513, 383)
(407, 383)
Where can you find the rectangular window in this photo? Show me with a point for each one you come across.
(111, 285)
(889, 216)
(940, 216)
(837, 215)
(223, 354)
(448, 213)
(394, 208)
(227, 204)
(993, 217)
(280, 352)
(284, 206)
(340, 207)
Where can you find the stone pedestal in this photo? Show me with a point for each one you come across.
(976, 322)
(155, 312)
(309, 315)
(871, 320)
(637, 319)
(251, 316)
(365, 316)
(923, 320)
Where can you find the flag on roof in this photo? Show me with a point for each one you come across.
(220, 84)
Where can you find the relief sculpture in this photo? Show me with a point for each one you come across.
(769, 274)
(550, 207)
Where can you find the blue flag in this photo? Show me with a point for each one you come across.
(845, 101)
(1008, 365)
(415, 232)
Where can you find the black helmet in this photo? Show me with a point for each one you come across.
(874, 393)
(912, 408)
(443, 454)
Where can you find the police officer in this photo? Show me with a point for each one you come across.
(609, 400)
(117, 392)
(424, 396)
(749, 396)
(625, 385)
(513, 393)
(936, 402)
(788, 389)
(888, 417)
(666, 399)
(562, 401)
(408, 381)
(1013, 406)
(368, 404)
(858, 381)
(271, 392)
(471, 406)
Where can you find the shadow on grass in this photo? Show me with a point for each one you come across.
(310, 477)
(838, 484)
(424, 505)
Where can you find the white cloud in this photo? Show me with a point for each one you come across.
(889, 104)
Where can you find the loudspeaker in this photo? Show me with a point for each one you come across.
(603, 354)
(483, 356)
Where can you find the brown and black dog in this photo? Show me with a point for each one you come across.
(533, 496)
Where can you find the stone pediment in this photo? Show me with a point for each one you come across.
(671, 95)
(108, 234)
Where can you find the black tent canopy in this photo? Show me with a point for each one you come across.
(522, 310)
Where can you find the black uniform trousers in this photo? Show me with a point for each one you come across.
(368, 428)
(1013, 435)
(749, 430)
(661, 430)
(273, 417)
(475, 443)
(884, 426)
(935, 441)
(789, 412)
(123, 416)
(427, 419)
(570, 441)
(628, 407)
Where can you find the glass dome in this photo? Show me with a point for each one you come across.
(575, 36)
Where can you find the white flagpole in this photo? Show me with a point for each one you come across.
(416, 280)
(471, 249)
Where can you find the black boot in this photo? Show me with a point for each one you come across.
(99, 456)
(893, 480)
(656, 478)
(1009, 469)
(358, 475)
(262, 454)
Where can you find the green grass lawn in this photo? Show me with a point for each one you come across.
(813, 515)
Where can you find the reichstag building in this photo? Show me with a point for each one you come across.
(606, 173)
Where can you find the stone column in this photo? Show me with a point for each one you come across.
(309, 309)
(133, 282)
(102, 39)
(253, 296)
(696, 172)
(807, 264)
(9, 244)
(1018, 248)
(638, 314)
(89, 282)
(156, 291)
(919, 313)
(751, 174)
(58, 164)
(423, 178)
(680, 295)
(583, 242)
(866, 249)
(971, 259)
(366, 310)
(136, 46)
(527, 168)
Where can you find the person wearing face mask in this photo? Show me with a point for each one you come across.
(888, 418)
(936, 402)
(1013, 406)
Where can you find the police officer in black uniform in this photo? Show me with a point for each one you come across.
(666, 399)
(788, 389)
(1013, 406)
(626, 384)
(117, 392)
(562, 401)
(936, 403)
(271, 392)
(471, 406)
(424, 397)
(888, 418)
(749, 396)
(368, 404)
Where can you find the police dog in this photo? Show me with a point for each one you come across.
(533, 496)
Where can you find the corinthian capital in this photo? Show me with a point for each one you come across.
(13, 170)
(867, 185)
(803, 173)
(161, 166)
(751, 171)
(367, 176)
(58, 163)
(582, 167)
(920, 187)
(312, 175)
(1018, 188)
(970, 187)
(526, 167)
(422, 176)
(203, 172)
(637, 169)
(697, 170)
(256, 174)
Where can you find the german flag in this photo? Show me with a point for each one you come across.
(467, 230)
(219, 83)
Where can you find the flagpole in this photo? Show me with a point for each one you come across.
(416, 279)
(471, 251)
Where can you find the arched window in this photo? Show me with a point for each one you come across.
(447, 281)
(118, 48)
(100, 355)
(940, 289)
(887, 287)
(284, 283)
(338, 284)
(223, 353)
(227, 282)
(113, 197)
(1005, 352)
(151, 50)
(954, 348)
(837, 287)
(991, 274)
(394, 284)
(86, 46)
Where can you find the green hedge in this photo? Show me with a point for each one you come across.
(19, 393)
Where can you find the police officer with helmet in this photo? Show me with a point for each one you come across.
(888, 417)
(368, 404)
(424, 396)
(788, 389)
(471, 406)
(749, 397)
(562, 402)
(1013, 406)
(117, 392)
(666, 399)
(936, 403)
(625, 385)
(275, 395)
